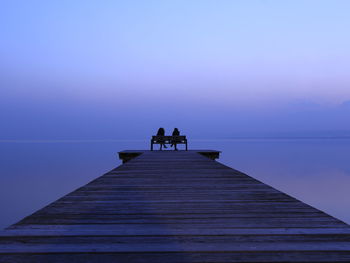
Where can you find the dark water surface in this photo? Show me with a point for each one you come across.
(33, 174)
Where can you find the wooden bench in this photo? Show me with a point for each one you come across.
(168, 140)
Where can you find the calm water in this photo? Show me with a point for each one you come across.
(35, 174)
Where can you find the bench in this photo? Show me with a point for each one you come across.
(168, 140)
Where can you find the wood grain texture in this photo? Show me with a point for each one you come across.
(176, 206)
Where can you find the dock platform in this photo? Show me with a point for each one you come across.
(174, 207)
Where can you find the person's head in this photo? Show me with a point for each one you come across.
(161, 131)
(176, 132)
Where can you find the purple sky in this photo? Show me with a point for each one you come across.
(214, 69)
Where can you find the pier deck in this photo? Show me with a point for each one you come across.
(176, 206)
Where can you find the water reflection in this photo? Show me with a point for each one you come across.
(35, 174)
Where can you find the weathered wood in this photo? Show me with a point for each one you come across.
(159, 230)
(176, 207)
(183, 256)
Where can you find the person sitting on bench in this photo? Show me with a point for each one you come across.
(176, 132)
(161, 132)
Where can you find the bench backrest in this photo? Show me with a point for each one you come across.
(178, 139)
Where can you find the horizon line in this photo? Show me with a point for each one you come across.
(198, 140)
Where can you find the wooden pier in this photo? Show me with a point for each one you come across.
(176, 206)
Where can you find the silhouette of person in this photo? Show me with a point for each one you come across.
(176, 132)
(161, 132)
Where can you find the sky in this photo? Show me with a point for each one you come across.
(214, 69)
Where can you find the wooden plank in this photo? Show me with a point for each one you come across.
(174, 247)
(189, 224)
(159, 230)
(176, 257)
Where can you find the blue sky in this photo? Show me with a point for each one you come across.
(120, 69)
